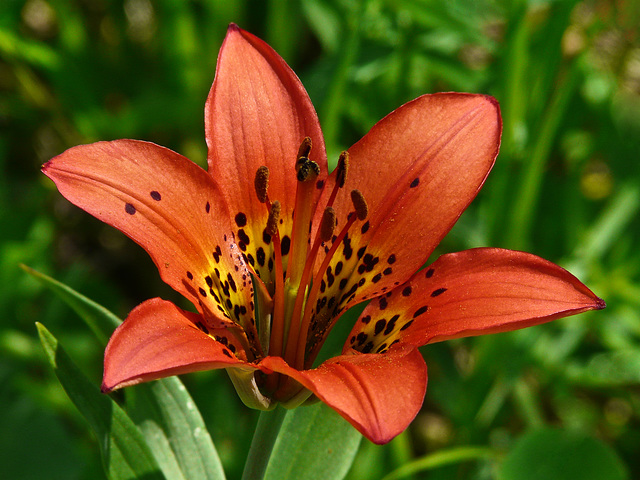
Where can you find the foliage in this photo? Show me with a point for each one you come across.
(567, 75)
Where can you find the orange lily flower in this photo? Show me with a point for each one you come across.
(272, 250)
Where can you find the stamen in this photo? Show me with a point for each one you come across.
(360, 204)
(341, 176)
(305, 147)
(362, 210)
(274, 217)
(261, 183)
(328, 224)
(343, 169)
(307, 169)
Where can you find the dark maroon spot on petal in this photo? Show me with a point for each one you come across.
(391, 259)
(209, 281)
(361, 337)
(387, 271)
(242, 235)
(320, 184)
(382, 348)
(376, 278)
(285, 245)
(232, 282)
(323, 286)
(190, 275)
(361, 252)
(438, 291)
(266, 238)
(362, 281)
(406, 325)
(241, 220)
(338, 268)
(207, 207)
(202, 292)
(406, 291)
(343, 283)
(383, 303)
(391, 325)
(156, 195)
(429, 273)
(130, 209)
(365, 227)
(420, 311)
(380, 324)
(367, 348)
(227, 353)
(261, 256)
(366, 319)
(352, 340)
(252, 261)
(415, 183)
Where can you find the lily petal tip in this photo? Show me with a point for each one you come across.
(105, 389)
(600, 304)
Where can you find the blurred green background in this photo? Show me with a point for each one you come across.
(566, 186)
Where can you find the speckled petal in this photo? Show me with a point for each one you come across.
(170, 207)
(418, 169)
(160, 340)
(378, 394)
(475, 292)
(258, 113)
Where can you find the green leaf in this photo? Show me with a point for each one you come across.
(100, 320)
(165, 411)
(314, 443)
(560, 455)
(125, 453)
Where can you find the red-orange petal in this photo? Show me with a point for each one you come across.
(169, 206)
(258, 113)
(418, 169)
(160, 340)
(378, 394)
(474, 292)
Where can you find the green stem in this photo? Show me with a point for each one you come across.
(264, 439)
(525, 201)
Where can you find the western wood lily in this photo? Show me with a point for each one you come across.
(272, 250)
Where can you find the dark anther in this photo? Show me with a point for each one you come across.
(343, 169)
(305, 147)
(360, 204)
(274, 216)
(328, 224)
(261, 183)
(306, 169)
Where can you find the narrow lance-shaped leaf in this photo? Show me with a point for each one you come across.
(100, 320)
(125, 453)
(167, 403)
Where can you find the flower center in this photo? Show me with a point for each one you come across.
(285, 315)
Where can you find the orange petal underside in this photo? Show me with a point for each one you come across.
(378, 394)
(160, 340)
(474, 292)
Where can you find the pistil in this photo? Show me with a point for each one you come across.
(306, 171)
(361, 213)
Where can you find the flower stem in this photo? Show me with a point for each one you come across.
(264, 438)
